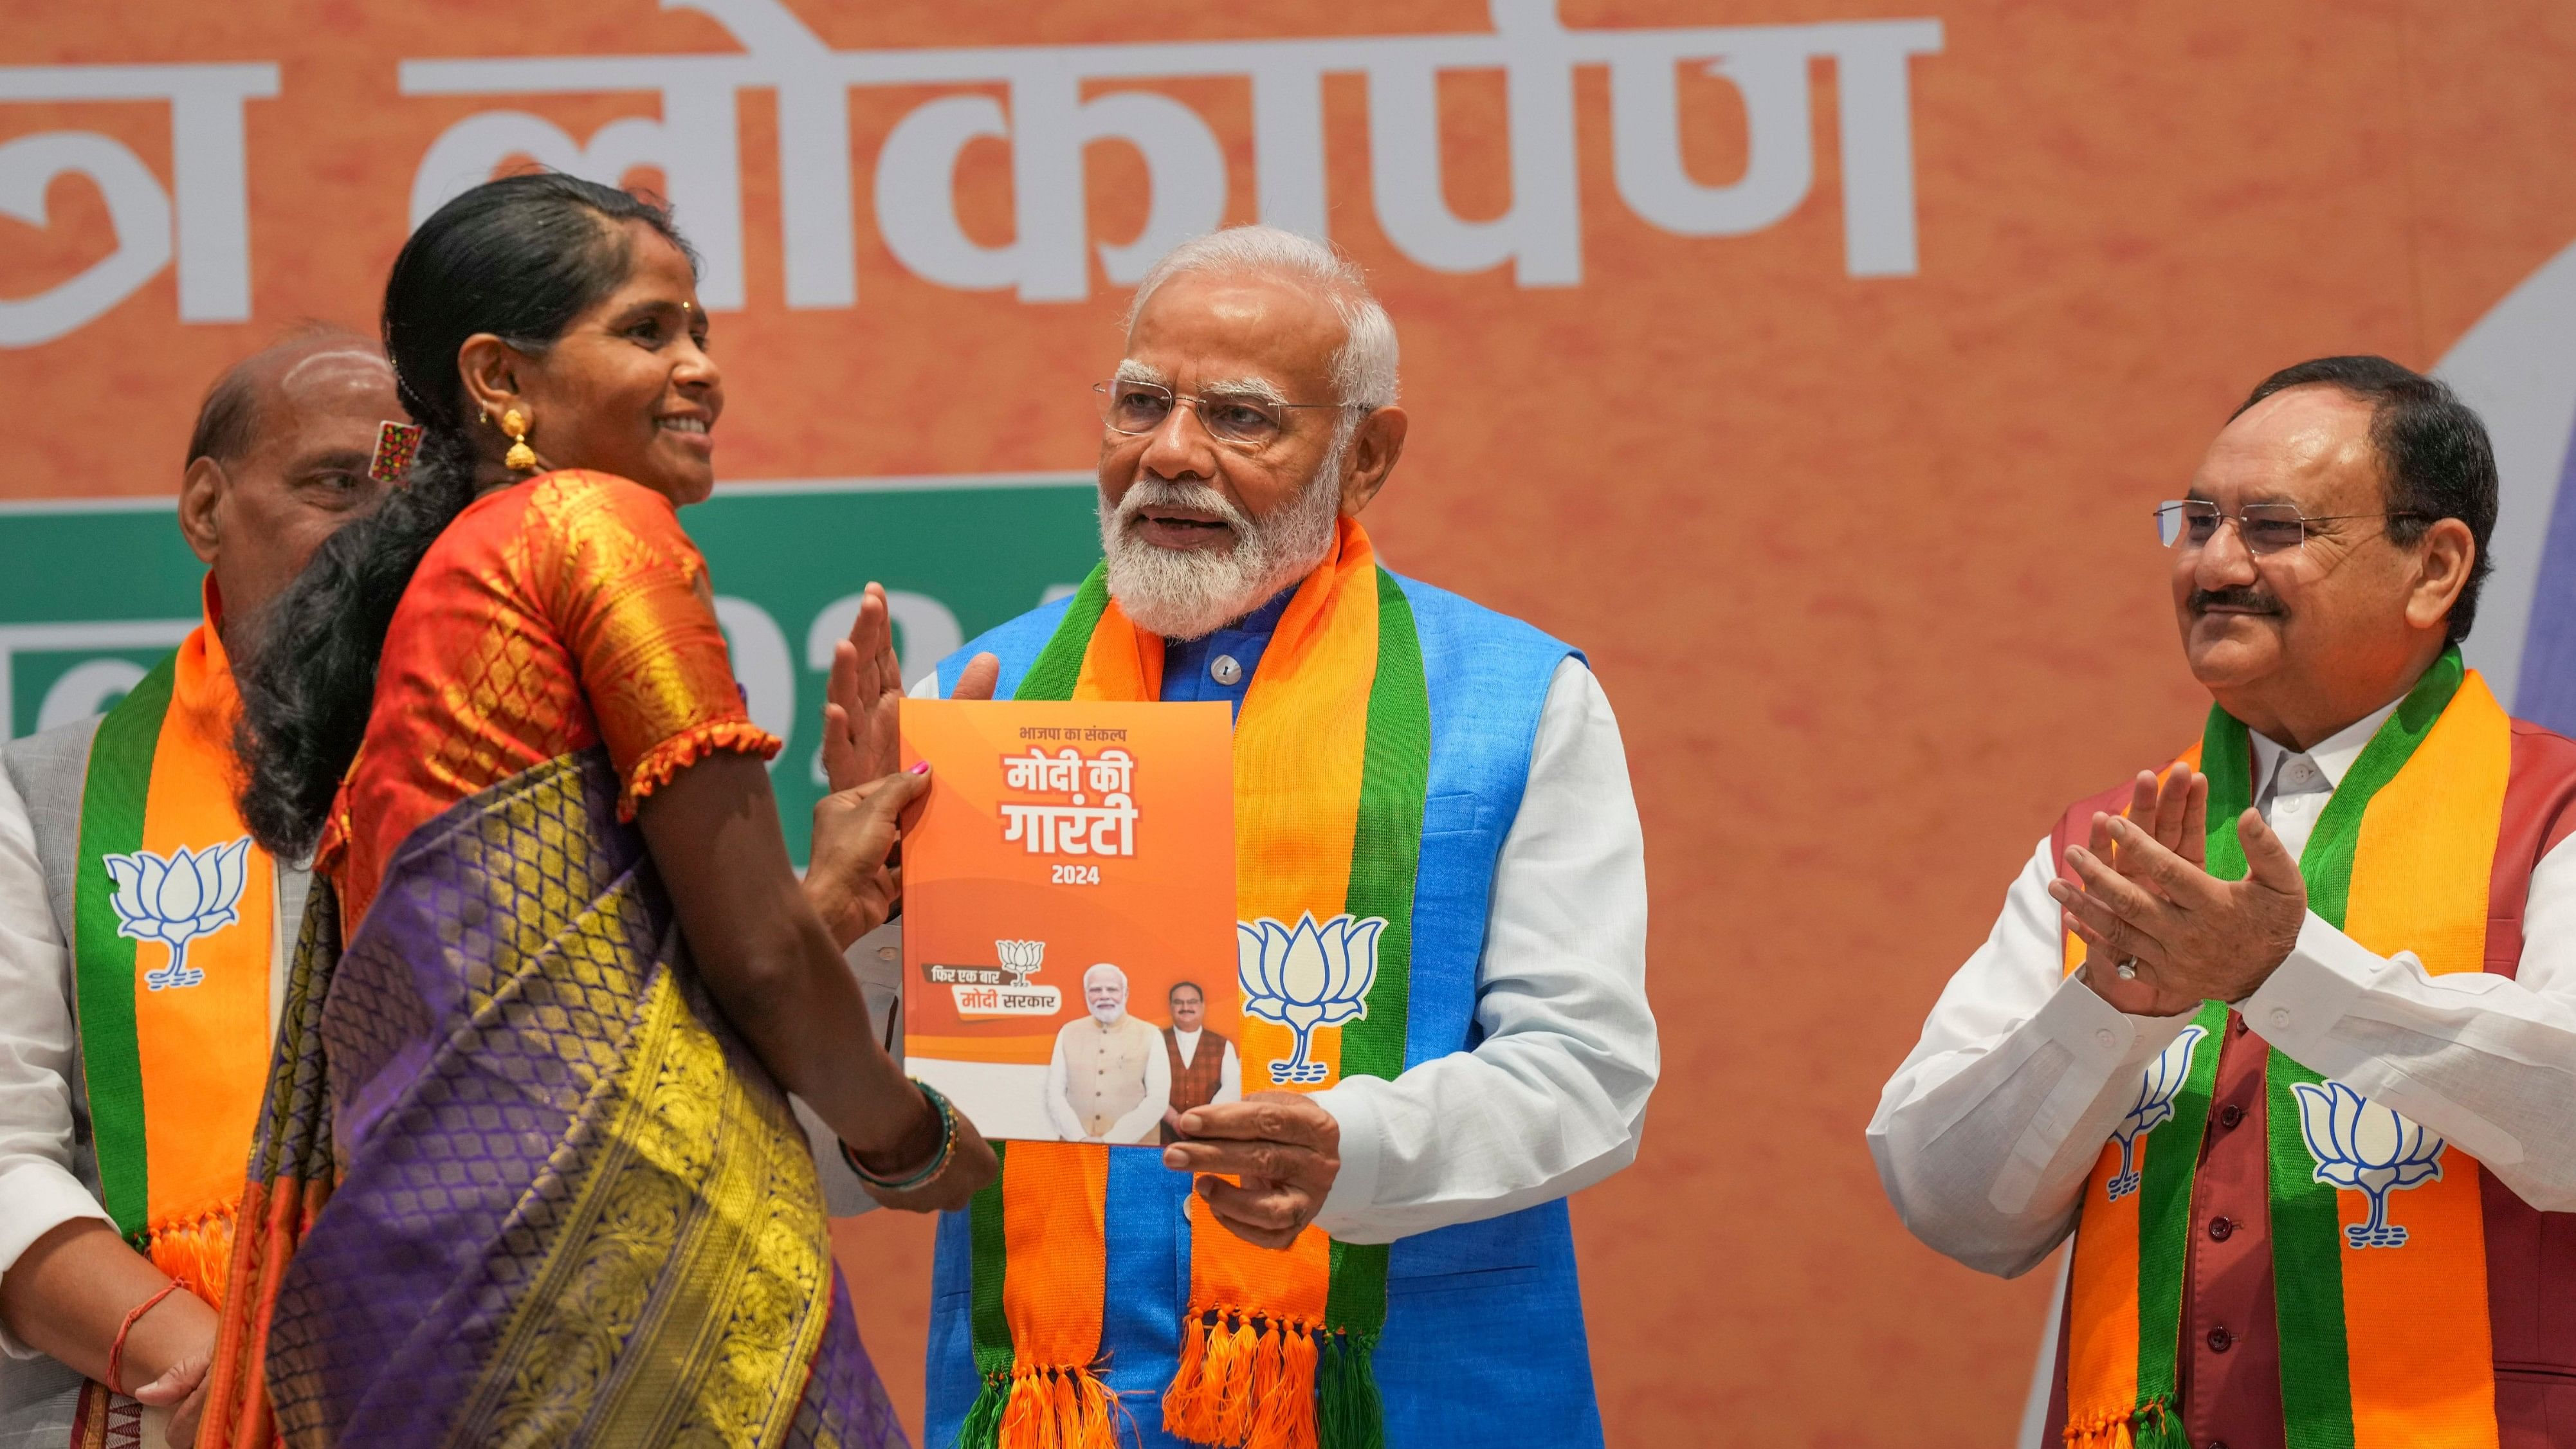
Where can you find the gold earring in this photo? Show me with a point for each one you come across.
(521, 458)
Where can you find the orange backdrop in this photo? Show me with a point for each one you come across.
(1856, 539)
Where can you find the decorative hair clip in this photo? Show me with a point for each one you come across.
(396, 445)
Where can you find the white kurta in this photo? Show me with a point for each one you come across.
(1554, 1097)
(1985, 1134)
(39, 1188)
(1142, 1120)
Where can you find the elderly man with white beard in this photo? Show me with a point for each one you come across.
(1441, 906)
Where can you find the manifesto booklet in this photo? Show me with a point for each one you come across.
(1068, 914)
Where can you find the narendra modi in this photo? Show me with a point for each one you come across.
(1441, 897)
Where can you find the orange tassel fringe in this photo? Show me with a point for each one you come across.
(1059, 1408)
(198, 1252)
(1244, 1383)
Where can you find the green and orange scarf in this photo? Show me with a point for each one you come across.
(2383, 1344)
(173, 918)
(1331, 760)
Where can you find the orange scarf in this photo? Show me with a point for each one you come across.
(174, 926)
(1331, 757)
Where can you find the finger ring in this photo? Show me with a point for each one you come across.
(2128, 968)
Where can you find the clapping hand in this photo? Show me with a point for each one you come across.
(855, 877)
(863, 699)
(2148, 900)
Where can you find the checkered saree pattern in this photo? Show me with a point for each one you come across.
(569, 1205)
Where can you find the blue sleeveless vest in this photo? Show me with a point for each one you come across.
(1484, 1333)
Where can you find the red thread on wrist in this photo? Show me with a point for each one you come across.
(116, 1350)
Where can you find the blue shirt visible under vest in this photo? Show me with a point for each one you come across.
(1484, 1336)
(1190, 666)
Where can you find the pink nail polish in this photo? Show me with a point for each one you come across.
(922, 769)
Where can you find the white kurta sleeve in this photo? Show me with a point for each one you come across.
(1059, 1110)
(2486, 1061)
(1984, 1135)
(38, 1191)
(1554, 1097)
(1229, 1078)
(1144, 1121)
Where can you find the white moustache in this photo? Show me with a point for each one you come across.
(1146, 493)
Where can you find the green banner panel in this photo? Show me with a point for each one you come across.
(92, 594)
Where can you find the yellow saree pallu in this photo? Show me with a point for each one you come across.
(2377, 1233)
(564, 1204)
(1331, 758)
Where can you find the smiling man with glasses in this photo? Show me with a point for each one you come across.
(1441, 898)
(2284, 1035)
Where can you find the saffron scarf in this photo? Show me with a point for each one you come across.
(173, 921)
(1332, 756)
(2378, 1236)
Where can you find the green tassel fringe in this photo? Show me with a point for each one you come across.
(983, 1426)
(2156, 1426)
(1349, 1415)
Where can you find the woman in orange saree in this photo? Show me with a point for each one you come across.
(526, 1172)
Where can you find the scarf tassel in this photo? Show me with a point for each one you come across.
(1245, 1383)
(1353, 1418)
(2151, 1425)
(1044, 1407)
(198, 1253)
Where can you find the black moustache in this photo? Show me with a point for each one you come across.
(2204, 600)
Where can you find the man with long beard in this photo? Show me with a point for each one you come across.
(1437, 854)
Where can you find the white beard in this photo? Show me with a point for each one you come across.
(1110, 1018)
(1191, 593)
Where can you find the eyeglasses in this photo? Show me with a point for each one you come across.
(1246, 420)
(2262, 527)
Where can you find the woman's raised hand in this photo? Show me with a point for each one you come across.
(862, 698)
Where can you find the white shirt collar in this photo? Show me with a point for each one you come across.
(2333, 755)
(1188, 1040)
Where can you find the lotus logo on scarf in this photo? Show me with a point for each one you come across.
(2369, 1148)
(2156, 1088)
(1314, 975)
(174, 901)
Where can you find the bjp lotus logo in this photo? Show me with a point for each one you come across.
(2369, 1148)
(174, 901)
(1021, 958)
(1304, 978)
(2156, 1088)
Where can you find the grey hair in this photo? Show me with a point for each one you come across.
(1364, 365)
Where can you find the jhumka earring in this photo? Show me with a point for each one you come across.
(521, 458)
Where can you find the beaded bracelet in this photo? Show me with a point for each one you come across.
(116, 1350)
(938, 1160)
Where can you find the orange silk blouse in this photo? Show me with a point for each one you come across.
(551, 616)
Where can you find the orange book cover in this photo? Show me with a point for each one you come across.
(1068, 914)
